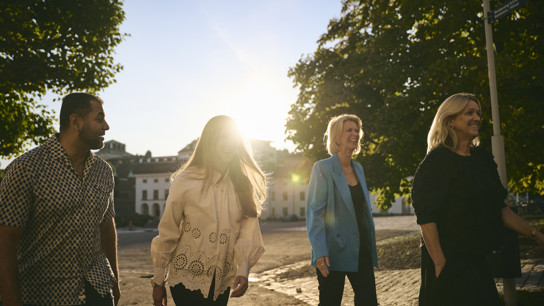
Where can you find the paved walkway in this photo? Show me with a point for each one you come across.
(394, 287)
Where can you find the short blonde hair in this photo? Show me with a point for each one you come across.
(441, 133)
(334, 130)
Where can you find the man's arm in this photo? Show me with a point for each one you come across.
(9, 283)
(108, 245)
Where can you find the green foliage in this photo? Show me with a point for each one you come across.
(393, 62)
(51, 46)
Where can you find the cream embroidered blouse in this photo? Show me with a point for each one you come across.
(202, 234)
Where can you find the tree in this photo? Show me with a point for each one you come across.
(51, 46)
(393, 62)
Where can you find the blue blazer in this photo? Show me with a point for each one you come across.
(330, 217)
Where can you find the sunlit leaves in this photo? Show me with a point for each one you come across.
(393, 62)
(56, 46)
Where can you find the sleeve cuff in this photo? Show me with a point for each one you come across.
(243, 269)
(158, 276)
(425, 219)
(320, 251)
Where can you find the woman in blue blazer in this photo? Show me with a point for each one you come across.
(339, 218)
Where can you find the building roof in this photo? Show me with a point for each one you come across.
(112, 150)
(156, 167)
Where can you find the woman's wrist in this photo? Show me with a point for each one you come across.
(533, 232)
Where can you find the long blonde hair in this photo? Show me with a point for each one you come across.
(335, 128)
(248, 179)
(441, 134)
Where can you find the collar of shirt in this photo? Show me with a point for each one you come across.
(59, 153)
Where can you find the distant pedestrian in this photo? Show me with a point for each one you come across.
(209, 235)
(58, 243)
(460, 205)
(339, 218)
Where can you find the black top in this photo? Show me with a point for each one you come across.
(463, 195)
(361, 212)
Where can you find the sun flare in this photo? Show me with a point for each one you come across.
(257, 108)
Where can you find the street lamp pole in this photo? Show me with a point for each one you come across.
(497, 140)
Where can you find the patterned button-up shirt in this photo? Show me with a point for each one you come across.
(60, 214)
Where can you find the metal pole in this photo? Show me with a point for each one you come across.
(497, 140)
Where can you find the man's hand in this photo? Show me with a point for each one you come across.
(240, 286)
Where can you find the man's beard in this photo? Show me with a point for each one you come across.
(91, 140)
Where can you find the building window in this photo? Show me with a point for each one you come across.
(156, 210)
(155, 194)
(165, 193)
(303, 196)
(144, 194)
(166, 180)
(285, 212)
(156, 180)
(144, 181)
(302, 211)
(285, 196)
(145, 210)
(273, 212)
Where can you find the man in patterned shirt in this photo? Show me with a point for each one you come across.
(58, 243)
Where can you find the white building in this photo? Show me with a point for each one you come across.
(152, 180)
(288, 178)
(288, 183)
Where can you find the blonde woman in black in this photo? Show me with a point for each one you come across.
(460, 205)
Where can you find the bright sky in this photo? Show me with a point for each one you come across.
(187, 61)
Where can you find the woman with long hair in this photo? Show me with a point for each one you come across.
(209, 235)
(459, 202)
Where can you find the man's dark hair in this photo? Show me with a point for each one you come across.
(78, 103)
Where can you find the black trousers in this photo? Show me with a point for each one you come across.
(184, 296)
(331, 288)
(464, 280)
(93, 298)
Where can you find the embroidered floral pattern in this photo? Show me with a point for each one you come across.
(194, 268)
(196, 233)
(180, 261)
(212, 237)
(223, 238)
(198, 246)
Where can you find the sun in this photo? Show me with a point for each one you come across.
(260, 110)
